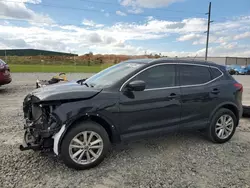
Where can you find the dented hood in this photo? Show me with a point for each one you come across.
(65, 91)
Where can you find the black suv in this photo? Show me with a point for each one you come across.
(135, 98)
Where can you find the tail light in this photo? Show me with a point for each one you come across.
(239, 86)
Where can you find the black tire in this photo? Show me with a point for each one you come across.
(211, 129)
(246, 111)
(236, 72)
(78, 128)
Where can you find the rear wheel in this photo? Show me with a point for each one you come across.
(85, 146)
(246, 111)
(222, 126)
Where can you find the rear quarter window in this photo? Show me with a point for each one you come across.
(223, 71)
(215, 73)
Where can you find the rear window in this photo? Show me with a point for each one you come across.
(193, 75)
(215, 73)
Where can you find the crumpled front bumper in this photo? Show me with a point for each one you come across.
(27, 146)
(31, 142)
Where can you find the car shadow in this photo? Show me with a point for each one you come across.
(164, 139)
(141, 147)
(3, 90)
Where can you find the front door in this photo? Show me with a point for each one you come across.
(157, 108)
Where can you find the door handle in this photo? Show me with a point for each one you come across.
(172, 96)
(215, 91)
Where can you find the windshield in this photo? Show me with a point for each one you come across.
(109, 76)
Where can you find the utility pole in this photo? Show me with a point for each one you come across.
(75, 62)
(208, 28)
(5, 56)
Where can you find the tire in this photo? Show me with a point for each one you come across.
(246, 111)
(212, 135)
(89, 127)
(237, 73)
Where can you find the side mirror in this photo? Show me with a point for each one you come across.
(137, 85)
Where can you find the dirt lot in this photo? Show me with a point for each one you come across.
(177, 160)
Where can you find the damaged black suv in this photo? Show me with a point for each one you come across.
(79, 120)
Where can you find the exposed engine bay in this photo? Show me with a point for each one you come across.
(41, 124)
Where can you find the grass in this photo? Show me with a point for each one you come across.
(57, 68)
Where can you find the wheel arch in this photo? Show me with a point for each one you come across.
(113, 134)
(230, 106)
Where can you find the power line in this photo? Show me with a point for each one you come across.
(82, 9)
(92, 10)
(51, 5)
(51, 24)
(111, 3)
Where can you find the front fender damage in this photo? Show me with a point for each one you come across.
(57, 138)
(46, 122)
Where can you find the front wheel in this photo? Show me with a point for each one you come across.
(222, 126)
(85, 146)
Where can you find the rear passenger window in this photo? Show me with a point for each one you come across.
(193, 74)
(215, 73)
(159, 76)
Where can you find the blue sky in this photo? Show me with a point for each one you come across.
(169, 27)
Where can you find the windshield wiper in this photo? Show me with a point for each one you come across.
(84, 83)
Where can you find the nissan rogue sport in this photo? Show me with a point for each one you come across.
(79, 120)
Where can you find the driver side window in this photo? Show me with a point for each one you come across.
(159, 76)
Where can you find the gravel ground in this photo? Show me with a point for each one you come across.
(177, 160)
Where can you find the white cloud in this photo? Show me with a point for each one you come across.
(17, 9)
(153, 28)
(190, 36)
(223, 50)
(13, 43)
(237, 24)
(242, 36)
(212, 39)
(230, 49)
(91, 23)
(120, 13)
(31, 1)
(135, 10)
(117, 38)
(95, 38)
(118, 49)
(221, 32)
(137, 6)
(148, 3)
(88, 22)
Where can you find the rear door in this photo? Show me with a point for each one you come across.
(157, 108)
(198, 96)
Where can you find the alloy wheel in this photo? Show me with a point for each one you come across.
(86, 147)
(224, 126)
